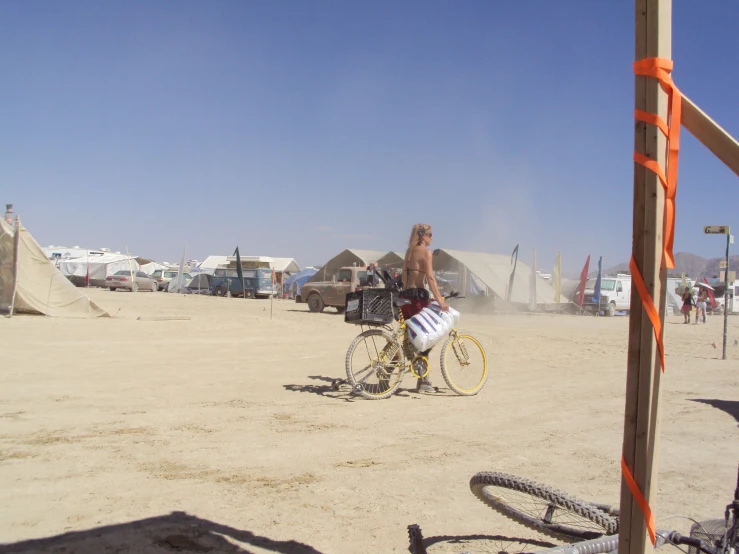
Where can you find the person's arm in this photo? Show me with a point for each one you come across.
(403, 273)
(428, 268)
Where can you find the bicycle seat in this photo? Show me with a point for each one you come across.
(401, 301)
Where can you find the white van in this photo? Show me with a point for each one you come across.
(615, 294)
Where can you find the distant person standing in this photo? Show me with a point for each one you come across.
(687, 305)
(700, 305)
(9, 216)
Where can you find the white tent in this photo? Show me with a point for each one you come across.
(212, 262)
(151, 267)
(285, 265)
(40, 288)
(99, 267)
(494, 271)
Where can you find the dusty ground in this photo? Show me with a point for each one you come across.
(109, 426)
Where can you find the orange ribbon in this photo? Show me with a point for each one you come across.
(650, 308)
(640, 500)
(660, 69)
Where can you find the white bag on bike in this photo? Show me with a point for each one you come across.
(428, 327)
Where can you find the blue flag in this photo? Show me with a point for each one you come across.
(239, 271)
(514, 261)
(596, 290)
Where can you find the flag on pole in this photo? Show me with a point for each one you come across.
(557, 278)
(514, 261)
(596, 289)
(532, 285)
(711, 297)
(239, 271)
(583, 280)
(181, 273)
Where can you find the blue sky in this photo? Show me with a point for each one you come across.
(300, 128)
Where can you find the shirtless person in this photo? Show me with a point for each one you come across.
(418, 270)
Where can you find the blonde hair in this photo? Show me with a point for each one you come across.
(417, 233)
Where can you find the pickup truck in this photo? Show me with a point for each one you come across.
(320, 294)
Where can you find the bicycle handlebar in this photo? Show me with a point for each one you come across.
(676, 538)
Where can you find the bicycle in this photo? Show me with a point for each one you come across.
(390, 354)
(562, 516)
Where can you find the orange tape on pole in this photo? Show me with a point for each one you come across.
(640, 500)
(649, 307)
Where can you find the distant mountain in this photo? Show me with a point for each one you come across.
(692, 265)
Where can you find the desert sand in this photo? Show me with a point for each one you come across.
(221, 433)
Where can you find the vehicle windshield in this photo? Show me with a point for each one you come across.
(124, 272)
(605, 284)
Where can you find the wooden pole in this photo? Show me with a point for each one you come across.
(16, 256)
(653, 21)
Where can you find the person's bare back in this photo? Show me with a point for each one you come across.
(415, 268)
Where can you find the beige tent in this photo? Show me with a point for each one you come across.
(346, 258)
(494, 271)
(40, 287)
(392, 259)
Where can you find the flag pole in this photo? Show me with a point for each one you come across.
(16, 255)
(130, 269)
(272, 293)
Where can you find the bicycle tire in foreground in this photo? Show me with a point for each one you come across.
(542, 508)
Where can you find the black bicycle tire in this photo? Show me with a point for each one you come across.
(608, 523)
(350, 375)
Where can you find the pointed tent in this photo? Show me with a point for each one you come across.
(392, 259)
(494, 271)
(41, 289)
(345, 259)
(285, 265)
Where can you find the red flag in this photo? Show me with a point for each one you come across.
(710, 295)
(583, 279)
(87, 277)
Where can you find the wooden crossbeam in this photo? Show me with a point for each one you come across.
(711, 134)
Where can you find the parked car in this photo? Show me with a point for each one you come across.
(164, 276)
(122, 280)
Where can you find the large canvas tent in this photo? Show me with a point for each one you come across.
(478, 273)
(40, 288)
(346, 258)
(391, 259)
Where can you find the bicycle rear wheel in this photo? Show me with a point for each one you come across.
(542, 508)
(464, 364)
(375, 364)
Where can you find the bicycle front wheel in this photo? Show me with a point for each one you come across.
(542, 508)
(375, 364)
(464, 364)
